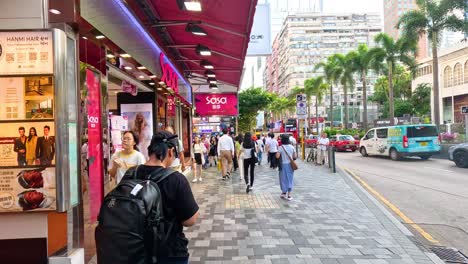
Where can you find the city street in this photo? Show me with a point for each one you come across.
(432, 193)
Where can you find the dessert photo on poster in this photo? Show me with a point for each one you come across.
(24, 144)
(26, 98)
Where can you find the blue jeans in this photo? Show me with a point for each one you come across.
(259, 156)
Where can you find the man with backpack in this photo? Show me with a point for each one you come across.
(141, 221)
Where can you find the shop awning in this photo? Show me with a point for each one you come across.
(227, 24)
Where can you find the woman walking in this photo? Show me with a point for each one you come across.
(249, 149)
(31, 144)
(198, 158)
(128, 157)
(286, 173)
(213, 151)
(240, 155)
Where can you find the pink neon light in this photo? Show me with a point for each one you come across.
(169, 76)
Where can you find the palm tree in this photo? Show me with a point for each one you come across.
(346, 80)
(332, 72)
(318, 89)
(431, 19)
(392, 53)
(360, 62)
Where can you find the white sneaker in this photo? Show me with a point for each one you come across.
(194, 180)
(200, 180)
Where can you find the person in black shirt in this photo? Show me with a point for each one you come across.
(177, 198)
(20, 147)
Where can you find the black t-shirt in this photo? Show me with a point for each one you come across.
(177, 198)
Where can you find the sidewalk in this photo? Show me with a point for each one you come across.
(331, 220)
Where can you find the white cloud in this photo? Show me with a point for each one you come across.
(356, 6)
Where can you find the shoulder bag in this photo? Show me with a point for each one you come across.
(293, 163)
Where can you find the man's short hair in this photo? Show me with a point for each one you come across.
(21, 128)
(48, 127)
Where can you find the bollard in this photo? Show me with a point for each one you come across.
(333, 157)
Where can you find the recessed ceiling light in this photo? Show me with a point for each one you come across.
(152, 83)
(85, 38)
(141, 77)
(125, 55)
(141, 67)
(196, 30)
(206, 64)
(159, 89)
(193, 6)
(153, 76)
(110, 56)
(127, 67)
(203, 50)
(169, 88)
(210, 74)
(100, 37)
(161, 82)
(55, 11)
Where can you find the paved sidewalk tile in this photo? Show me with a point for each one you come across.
(329, 221)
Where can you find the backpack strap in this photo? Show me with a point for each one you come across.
(159, 175)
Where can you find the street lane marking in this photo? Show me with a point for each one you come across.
(395, 209)
(432, 168)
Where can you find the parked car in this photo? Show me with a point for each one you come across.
(459, 155)
(344, 143)
(400, 141)
(311, 140)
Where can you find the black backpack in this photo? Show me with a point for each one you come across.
(132, 227)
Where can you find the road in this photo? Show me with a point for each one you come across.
(432, 193)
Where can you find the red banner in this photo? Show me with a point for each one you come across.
(216, 104)
(96, 177)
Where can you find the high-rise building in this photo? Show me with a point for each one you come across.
(309, 38)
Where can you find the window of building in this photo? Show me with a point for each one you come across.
(447, 76)
(466, 72)
(457, 74)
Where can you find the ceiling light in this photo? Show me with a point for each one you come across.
(152, 83)
(193, 6)
(159, 89)
(110, 56)
(141, 77)
(213, 87)
(206, 64)
(125, 55)
(196, 30)
(141, 67)
(100, 37)
(203, 50)
(55, 11)
(85, 38)
(210, 74)
(127, 67)
(153, 76)
(212, 81)
(169, 88)
(161, 82)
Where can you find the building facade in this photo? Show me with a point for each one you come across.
(309, 38)
(453, 81)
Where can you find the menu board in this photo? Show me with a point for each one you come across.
(27, 144)
(26, 52)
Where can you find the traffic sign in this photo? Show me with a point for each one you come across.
(301, 105)
(464, 110)
(301, 98)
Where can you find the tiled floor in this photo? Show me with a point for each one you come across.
(330, 221)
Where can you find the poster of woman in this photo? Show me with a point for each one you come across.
(140, 120)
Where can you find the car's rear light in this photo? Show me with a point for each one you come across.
(405, 141)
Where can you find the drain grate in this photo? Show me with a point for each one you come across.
(450, 255)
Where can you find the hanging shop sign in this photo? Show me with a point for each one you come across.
(169, 75)
(216, 104)
(26, 53)
(171, 107)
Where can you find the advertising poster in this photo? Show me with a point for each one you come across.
(27, 159)
(260, 42)
(216, 104)
(96, 179)
(140, 121)
(26, 52)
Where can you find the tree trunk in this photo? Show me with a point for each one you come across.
(316, 114)
(364, 99)
(391, 105)
(435, 80)
(330, 117)
(346, 117)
